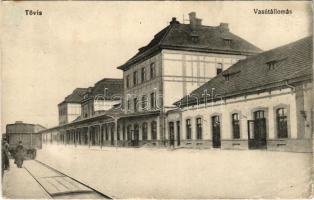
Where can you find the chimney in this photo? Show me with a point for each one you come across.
(89, 90)
(19, 122)
(105, 92)
(194, 22)
(224, 27)
(174, 21)
(198, 22)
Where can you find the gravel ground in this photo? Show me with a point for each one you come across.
(184, 173)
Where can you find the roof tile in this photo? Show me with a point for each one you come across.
(292, 61)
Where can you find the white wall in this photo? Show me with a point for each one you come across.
(101, 105)
(244, 106)
(73, 111)
(147, 87)
(183, 71)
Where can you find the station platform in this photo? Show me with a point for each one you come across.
(37, 180)
(17, 183)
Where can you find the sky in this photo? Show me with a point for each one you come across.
(75, 44)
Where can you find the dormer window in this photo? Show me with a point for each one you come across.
(227, 77)
(228, 74)
(194, 37)
(219, 68)
(274, 63)
(271, 65)
(227, 41)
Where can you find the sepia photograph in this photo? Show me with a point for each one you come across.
(157, 99)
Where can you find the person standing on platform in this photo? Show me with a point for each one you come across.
(19, 155)
(7, 153)
(5, 156)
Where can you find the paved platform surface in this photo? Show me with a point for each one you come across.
(184, 173)
(54, 182)
(38, 181)
(19, 184)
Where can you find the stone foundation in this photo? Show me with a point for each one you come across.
(234, 144)
(290, 145)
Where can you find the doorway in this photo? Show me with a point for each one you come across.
(112, 134)
(171, 133)
(257, 130)
(178, 133)
(135, 141)
(216, 131)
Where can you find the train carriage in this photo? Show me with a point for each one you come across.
(29, 134)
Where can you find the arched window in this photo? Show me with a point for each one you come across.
(188, 129)
(236, 126)
(199, 131)
(282, 123)
(154, 130)
(144, 102)
(144, 131)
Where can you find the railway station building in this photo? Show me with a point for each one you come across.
(200, 86)
(179, 59)
(262, 102)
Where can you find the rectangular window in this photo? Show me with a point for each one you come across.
(128, 105)
(127, 81)
(143, 74)
(199, 131)
(135, 104)
(188, 129)
(219, 68)
(282, 123)
(152, 101)
(236, 126)
(152, 71)
(135, 78)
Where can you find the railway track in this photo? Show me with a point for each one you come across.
(59, 185)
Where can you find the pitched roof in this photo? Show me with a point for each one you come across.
(179, 37)
(76, 96)
(112, 86)
(292, 61)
